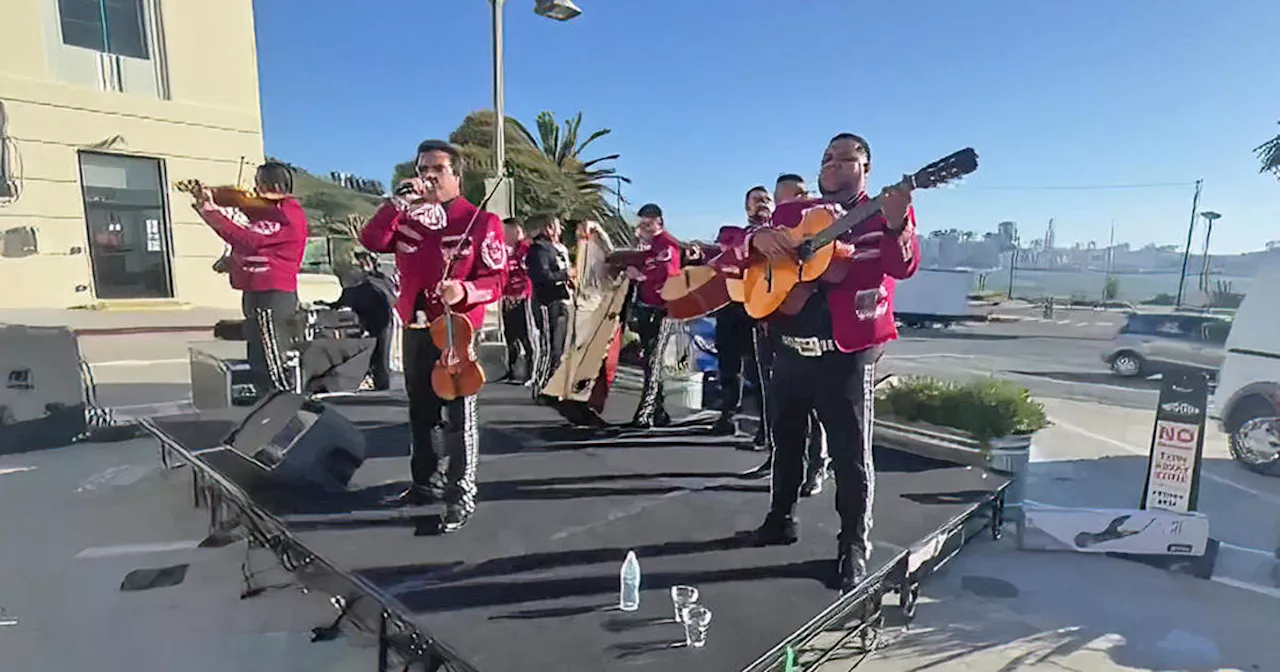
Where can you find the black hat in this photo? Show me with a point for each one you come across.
(649, 210)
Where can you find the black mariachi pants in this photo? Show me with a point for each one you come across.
(841, 388)
(655, 332)
(552, 323)
(446, 441)
(521, 334)
(271, 324)
(815, 457)
(735, 354)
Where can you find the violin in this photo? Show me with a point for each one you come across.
(456, 373)
(229, 196)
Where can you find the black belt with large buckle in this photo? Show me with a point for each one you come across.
(809, 346)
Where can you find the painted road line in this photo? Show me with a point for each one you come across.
(4, 471)
(1139, 450)
(136, 549)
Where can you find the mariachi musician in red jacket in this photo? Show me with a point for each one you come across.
(661, 261)
(431, 228)
(267, 236)
(519, 329)
(827, 351)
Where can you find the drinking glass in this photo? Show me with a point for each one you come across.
(683, 597)
(696, 621)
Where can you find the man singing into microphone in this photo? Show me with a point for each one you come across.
(451, 255)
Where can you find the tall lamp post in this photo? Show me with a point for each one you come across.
(1209, 218)
(502, 202)
(1186, 254)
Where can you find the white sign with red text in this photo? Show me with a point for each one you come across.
(1173, 466)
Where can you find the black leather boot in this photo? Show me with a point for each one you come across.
(455, 516)
(851, 564)
(415, 495)
(777, 530)
(724, 425)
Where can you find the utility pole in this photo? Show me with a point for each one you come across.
(1111, 259)
(1186, 254)
(1209, 218)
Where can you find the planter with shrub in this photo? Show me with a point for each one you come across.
(986, 423)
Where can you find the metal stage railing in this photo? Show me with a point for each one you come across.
(363, 606)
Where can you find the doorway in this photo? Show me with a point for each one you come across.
(129, 234)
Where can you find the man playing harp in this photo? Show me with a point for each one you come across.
(581, 381)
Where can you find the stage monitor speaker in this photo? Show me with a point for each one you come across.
(300, 443)
(42, 392)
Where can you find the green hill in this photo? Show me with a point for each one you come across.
(326, 202)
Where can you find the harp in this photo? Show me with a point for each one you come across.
(596, 314)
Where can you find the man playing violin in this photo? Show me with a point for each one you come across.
(661, 261)
(828, 350)
(432, 229)
(264, 261)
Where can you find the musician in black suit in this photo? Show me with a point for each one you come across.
(370, 294)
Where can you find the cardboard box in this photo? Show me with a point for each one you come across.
(1132, 531)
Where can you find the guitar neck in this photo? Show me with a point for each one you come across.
(846, 223)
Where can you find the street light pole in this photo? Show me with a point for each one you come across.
(1186, 254)
(502, 201)
(499, 85)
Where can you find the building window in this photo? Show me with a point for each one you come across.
(124, 209)
(117, 27)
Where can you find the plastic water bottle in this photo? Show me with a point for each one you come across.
(629, 600)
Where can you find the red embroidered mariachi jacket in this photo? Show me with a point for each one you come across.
(423, 237)
(267, 243)
(861, 303)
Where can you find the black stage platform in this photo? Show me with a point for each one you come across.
(532, 582)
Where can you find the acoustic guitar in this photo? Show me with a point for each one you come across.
(769, 284)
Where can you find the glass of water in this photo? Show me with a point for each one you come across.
(683, 597)
(696, 621)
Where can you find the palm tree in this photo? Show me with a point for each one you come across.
(1269, 154)
(547, 178)
(567, 152)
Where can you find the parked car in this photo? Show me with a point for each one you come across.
(1249, 384)
(1151, 343)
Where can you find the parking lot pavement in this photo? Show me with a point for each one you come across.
(997, 608)
(76, 521)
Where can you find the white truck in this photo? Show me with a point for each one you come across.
(932, 297)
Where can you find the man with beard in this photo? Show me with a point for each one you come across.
(518, 326)
(452, 258)
(661, 261)
(827, 352)
(789, 187)
(551, 276)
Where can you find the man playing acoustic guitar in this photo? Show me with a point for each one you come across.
(827, 351)
(452, 257)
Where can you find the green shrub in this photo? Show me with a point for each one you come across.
(987, 409)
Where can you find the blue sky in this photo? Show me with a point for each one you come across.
(708, 97)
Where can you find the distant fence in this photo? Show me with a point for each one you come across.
(1091, 286)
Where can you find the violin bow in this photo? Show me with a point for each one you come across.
(466, 235)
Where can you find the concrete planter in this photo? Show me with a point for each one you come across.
(1009, 454)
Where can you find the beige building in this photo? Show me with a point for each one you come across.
(105, 105)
